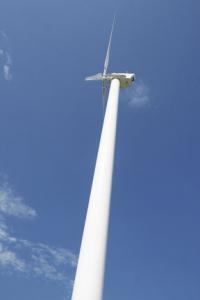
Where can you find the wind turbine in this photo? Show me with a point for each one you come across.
(89, 278)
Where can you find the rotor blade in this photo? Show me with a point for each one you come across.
(108, 50)
(95, 77)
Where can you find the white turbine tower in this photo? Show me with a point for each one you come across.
(88, 284)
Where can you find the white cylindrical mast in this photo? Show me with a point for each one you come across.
(89, 277)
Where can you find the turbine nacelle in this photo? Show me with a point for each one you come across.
(125, 78)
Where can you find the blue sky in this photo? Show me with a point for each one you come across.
(50, 122)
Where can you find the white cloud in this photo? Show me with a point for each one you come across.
(59, 255)
(11, 204)
(138, 95)
(7, 72)
(21, 255)
(9, 259)
(5, 57)
(36, 259)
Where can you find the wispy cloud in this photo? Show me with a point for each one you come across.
(13, 205)
(138, 95)
(9, 259)
(21, 255)
(36, 259)
(7, 72)
(5, 57)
